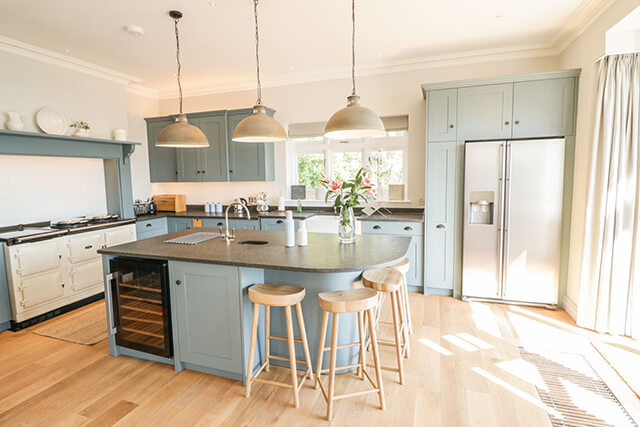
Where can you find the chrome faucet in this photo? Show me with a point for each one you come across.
(227, 235)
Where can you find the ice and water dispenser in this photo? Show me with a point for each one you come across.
(481, 207)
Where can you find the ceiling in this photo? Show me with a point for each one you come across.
(299, 38)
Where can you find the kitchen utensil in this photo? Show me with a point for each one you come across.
(51, 122)
(16, 121)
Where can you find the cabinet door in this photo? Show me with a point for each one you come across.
(543, 108)
(415, 275)
(248, 161)
(485, 112)
(441, 118)
(213, 160)
(207, 312)
(245, 224)
(179, 224)
(276, 224)
(162, 160)
(440, 215)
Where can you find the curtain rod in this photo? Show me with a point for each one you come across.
(615, 53)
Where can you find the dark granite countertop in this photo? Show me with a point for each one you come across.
(323, 254)
(395, 216)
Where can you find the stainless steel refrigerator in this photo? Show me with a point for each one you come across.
(513, 220)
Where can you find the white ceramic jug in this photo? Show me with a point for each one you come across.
(16, 121)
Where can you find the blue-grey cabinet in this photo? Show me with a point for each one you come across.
(207, 313)
(275, 224)
(415, 230)
(544, 108)
(179, 224)
(440, 215)
(442, 115)
(485, 112)
(162, 160)
(151, 228)
(205, 164)
(5, 309)
(238, 224)
(248, 161)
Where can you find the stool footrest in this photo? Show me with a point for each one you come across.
(340, 347)
(357, 393)
(285, 339)
(276, 383)
(339, 368)
(285, 359)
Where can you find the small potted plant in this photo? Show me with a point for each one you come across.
(82, 128)
(347, 195)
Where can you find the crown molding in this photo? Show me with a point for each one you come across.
(579, 21)
(435, 61)
(136, 89)
(44, 55)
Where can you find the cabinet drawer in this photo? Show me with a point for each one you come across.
(33, 258)
(119, 235)
(84, 246)
(86, 275)
(393, 227)
(275, 224)
(42, 288)
(154, 225)
(213, 222)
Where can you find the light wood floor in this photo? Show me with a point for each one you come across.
(458, 374)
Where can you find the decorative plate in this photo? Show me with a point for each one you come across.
(51, 122)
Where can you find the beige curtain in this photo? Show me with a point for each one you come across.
(610, 285)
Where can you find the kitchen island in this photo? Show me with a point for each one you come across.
(209, 310)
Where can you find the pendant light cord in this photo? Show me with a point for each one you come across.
(255, 14)
(175, 20)
(353, 46)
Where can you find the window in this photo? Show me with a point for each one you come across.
(385, 155)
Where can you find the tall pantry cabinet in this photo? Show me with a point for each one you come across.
(507, 108)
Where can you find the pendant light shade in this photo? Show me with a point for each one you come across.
(258, 127)
(180, 134)
(354, 120)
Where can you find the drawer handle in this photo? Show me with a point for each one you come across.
(220, 224)
(88, 246)
(279, 221)
(148, 225)
(377, 227)
(440, 227)
(407, 228)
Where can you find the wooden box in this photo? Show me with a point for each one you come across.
(171, 202)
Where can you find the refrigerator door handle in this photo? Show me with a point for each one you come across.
(111, 329)
(507, 221)
(500, 219)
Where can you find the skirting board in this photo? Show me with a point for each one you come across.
(570, 307)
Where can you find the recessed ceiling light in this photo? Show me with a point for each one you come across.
(67, 50)
(134, 30)
(212, 3)
(499, 16)
(292, 67)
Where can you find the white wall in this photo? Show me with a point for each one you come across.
(582, 53)
(388, 95)
(34, 189)
(138, 107)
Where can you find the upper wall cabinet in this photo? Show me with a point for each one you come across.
(206, 164)
(163, 165)
(544, 108)
(249, 161)
(484, 112)
(441, 120)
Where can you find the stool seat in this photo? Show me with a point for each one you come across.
(348, 301)
(402, 266)
(382, 279)
(276, 295)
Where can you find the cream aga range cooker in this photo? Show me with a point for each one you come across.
(51, 270)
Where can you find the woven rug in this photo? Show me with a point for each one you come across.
(572, 391)
(87, 325)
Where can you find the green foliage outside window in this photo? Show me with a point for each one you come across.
(310, 169)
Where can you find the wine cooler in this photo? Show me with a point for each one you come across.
(141, 311)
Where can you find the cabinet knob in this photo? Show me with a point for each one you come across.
(507, 122)
(230, 171)
(517, 122)
(451, 126)
(204, 172)
(197, 171)
(377, 227)
(440, 227)
(178, 282)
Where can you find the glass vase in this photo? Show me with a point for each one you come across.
(347, 226)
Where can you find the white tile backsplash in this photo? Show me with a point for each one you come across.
(34, 189)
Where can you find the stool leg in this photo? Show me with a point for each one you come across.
(292, 356)
(305, 344)
(267, 341)
(404, 322)
(406, 294)
(396, 328)
(362, 360)
(323, 338)
(252, 348)
(376, 357)
(332, 367)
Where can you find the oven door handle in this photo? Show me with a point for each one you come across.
(111, 328)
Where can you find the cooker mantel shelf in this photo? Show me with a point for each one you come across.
(40, 144)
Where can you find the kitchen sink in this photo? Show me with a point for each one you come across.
(253, 242)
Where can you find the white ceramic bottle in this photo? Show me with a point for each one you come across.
(303, 238)
(289, 230)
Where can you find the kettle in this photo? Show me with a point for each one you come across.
(16, 121)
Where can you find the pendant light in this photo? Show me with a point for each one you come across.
(353, 121)
(258, 127)
(180, 134)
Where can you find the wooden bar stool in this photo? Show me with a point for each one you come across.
(403, 267)
(389, 280)
(278, 296)
(358, 301)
